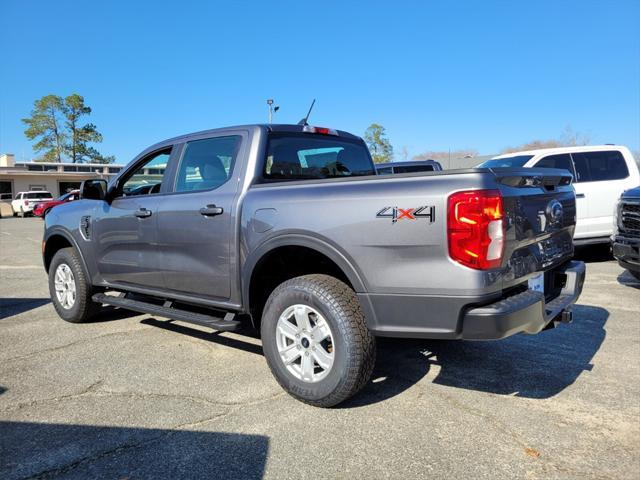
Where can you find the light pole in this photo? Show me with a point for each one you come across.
(272, 109)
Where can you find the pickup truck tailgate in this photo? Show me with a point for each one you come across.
(540, 212)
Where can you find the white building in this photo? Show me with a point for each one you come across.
(57, 178)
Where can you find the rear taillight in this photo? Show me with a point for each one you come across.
(475, 228)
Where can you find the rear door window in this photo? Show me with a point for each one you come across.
(208, 163)
(600, 166)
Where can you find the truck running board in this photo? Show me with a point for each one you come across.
(226, 324)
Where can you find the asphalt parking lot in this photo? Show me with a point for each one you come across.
(131, 396)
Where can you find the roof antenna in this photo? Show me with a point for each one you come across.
(304, 120)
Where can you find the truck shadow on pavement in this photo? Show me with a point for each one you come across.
(532, 366)
(216, 337)
(628, 280)
(15, 306)
(35, 450)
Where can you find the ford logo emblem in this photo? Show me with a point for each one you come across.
(554, 211)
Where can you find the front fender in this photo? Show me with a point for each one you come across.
(49, 236)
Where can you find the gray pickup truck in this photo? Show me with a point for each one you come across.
(288, 229)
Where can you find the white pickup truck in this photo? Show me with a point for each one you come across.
(26, 201)
(601, 173)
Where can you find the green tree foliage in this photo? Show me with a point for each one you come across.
(72, 137)
(77, 148)
(376, 139)
(46, 124)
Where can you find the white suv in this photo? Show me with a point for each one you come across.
(26, 201)
(601, 173)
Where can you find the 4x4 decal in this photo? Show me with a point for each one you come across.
(395, 213)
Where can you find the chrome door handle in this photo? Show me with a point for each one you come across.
(580, 195)
(143, 213)
(211, 211)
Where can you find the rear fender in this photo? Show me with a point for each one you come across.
(300, 240)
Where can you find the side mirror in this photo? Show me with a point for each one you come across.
(93, 189)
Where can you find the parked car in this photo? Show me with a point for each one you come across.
(287, 228)
(626, 238)
(601, 173)
(42, 209)
(25, 202)
(408, 167)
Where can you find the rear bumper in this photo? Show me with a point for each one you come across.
(527, 311)
(627, 251)
(473, 318)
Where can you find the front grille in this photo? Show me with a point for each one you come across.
(630, 218)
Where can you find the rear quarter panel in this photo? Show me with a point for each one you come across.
(408, 256)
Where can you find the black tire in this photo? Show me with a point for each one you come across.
(635, 273)
(83, 308)
(354, 346)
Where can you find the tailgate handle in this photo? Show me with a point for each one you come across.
(211, 211)
(579, 195)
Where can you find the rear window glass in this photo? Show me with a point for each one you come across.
(600, 166)
(38, 195)
(515, 161)
(305, 156)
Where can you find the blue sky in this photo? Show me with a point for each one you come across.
(437, 75)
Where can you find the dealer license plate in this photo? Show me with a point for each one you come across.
(537, 283)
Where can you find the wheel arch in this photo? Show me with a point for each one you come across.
(56, 240)
(311, 255)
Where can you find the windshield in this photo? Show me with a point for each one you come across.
(38, 195)
(64, 197)
(515, 161)
(293, 156)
